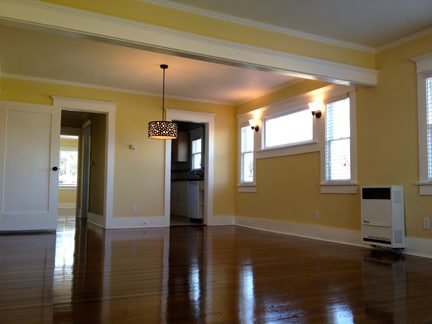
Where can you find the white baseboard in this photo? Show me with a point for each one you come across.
(221, 220)
(316, 232)
(95, 219)
(415, 246)
(419, 247)
(136, 222)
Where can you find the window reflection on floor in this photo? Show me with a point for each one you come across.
(64, 258)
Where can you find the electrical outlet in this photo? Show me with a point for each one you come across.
(317, 214)
(133, 209)
(426, 223)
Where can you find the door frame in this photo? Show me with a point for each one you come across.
(208, 120)
(101, 107)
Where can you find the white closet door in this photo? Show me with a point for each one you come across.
(29, 154)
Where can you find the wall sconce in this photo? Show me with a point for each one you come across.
(315, 109)
(254, 125)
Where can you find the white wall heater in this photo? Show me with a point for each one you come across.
(383, 216)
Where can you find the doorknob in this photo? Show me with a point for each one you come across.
(55, 168)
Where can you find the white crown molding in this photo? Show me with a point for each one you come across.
(148, 36)
(259, 25)
(404, 40)
(106, 88)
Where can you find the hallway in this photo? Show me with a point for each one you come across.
(224, 274)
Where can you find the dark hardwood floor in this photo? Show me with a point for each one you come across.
(191, 274)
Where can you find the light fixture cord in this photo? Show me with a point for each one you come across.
(164, 67)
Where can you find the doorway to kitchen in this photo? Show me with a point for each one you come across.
(187, 205)
(202, 177)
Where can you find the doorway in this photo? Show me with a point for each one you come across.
(82, 166)
(207, 121)
(187, 174)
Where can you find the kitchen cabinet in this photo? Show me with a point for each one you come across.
(187, 199)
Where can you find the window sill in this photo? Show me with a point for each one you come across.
(66, 187)
(246, 188)
(339, 187)
(299, 148)
(425, 188)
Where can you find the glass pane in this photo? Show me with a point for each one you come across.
(338, 160)
(196, 146)
(338, 119)
(247, 137)
(196, 161)
(289, 129)
(68, 168)
(247, 167)
(429, 125)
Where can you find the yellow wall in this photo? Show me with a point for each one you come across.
(206, 26)
(139, 175)
(387, 139)
(288, 187)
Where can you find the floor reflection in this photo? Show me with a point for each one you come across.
(204, 275)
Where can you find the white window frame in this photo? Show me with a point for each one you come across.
(243, 121)
(73, 149)
(196, 153)
(283, 108)
(317, 144)
(424, 70)
(342, 186)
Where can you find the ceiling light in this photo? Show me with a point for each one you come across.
(162, 129)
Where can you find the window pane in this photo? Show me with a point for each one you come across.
(247, 155)
(338, 160)
(338, 141)
(68, 168)
(247, 136)
(196, 146)
(338, 119)
(247, 167)
(429, 125)
(289, 129)
(196, 161)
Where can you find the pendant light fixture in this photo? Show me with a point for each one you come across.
(162, 129)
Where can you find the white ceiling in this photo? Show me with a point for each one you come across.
(31, 53)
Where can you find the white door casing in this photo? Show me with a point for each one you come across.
(197, 117)
(29, 154)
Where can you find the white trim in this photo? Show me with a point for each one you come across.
(333, 187)
(297, 148)
(419, 246)
(147, 36)
(198, 117)
(244, 187)
(116, 89)
(137, 222)
(108, 108)
(310, 231)
(415, 246)
(404, 40)
(339, 187)
(260, 25)
(222, 220)
(424, 70)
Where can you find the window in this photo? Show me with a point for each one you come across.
(292, 128)
(424, 93)
(429, 125)
(247, 159)
(339, 149)
(196, 154)
(338, 141)
(68, 164)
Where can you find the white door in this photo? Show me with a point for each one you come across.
(29, 153)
